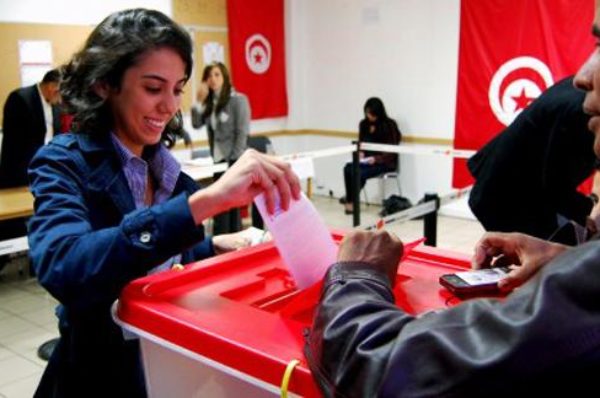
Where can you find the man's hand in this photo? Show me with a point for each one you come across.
(525, 253)
(380, 249)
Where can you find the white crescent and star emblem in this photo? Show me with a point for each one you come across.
(258, 53)
(515, 85)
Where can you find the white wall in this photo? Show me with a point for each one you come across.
(339, 52)
(76, 12)
(404, 51)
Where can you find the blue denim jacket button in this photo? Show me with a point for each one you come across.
(145, 237)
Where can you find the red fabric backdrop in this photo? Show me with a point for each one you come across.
(257, 45)
(511, 51)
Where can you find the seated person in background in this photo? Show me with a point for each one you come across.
(527, 176)
(375, 128)
(111, 202)
(541, 340)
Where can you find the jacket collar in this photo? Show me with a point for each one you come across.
(106, 176)
(94, 143)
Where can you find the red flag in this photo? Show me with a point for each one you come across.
(511, 51)
(257, 45)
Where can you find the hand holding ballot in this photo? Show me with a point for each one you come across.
(304, 242)
(251, 174)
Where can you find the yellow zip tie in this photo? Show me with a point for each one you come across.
(177, 267)
(287, 375)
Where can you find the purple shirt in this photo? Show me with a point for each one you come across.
(165, 170)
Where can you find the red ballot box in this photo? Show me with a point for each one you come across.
(230, 325)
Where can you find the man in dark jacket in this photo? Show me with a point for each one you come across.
(527, 176)
(25, 125)
(543, 339)
(31, 117)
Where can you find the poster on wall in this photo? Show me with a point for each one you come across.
(213, 52)
(510, 52)
(257, 45)
(35, 59)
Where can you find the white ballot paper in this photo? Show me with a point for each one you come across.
(304, 242)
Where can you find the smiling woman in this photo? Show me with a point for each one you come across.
(148, 98)
(111, 203)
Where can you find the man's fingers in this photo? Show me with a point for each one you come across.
(480, 258)
(508, 284)
(515, 278)
(398, 245)
(484, 254)
(491, 245)
(504, 260)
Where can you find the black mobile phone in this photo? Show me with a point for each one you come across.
(478, 282)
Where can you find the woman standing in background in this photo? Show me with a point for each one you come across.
(226, 114)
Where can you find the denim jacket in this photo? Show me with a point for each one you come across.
(87, 241)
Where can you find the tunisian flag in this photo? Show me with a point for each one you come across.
(511, 51)
(257, 42)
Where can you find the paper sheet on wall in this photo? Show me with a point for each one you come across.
(302, 238)
(35, 52)
(213, 52)
(35, 59)
(32, 74)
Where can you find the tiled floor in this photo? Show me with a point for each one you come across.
(27, 311)
(26, 321)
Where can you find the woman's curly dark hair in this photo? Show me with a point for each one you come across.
(116, 44)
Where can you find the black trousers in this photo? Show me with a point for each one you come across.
(366, 171)
(229, 221)
(94, 362)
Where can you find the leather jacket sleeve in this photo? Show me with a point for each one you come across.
(543, 337)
